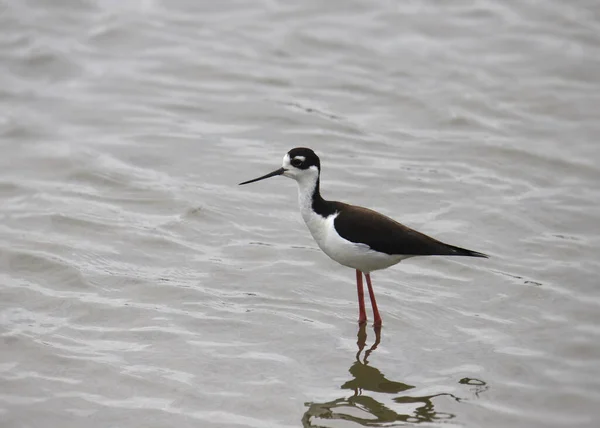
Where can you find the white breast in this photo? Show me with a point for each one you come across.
(354, 255)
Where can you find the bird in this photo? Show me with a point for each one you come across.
(354, 236)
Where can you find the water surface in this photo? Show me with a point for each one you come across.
(141, 287)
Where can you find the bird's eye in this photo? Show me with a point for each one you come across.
(296, 162)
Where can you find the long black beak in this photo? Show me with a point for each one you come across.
(271, 174)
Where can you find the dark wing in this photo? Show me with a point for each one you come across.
(383, 234)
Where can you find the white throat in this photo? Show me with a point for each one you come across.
(319, 226)
(306, 189)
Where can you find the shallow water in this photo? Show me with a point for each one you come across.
(141, 287)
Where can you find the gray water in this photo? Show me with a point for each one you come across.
(141, 287)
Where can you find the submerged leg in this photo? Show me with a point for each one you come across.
(362, 339)
(377, 318)
(362, 313)
(377, 331)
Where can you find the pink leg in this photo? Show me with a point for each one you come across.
(362, 313)
(376, 316)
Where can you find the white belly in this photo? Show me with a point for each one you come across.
(351, 254)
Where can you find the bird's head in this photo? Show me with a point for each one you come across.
(300, 163)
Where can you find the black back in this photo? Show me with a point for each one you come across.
(385, 235)
(380, 233)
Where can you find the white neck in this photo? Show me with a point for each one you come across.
(318, 225)
(306, 189)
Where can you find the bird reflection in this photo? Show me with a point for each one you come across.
(363, 409)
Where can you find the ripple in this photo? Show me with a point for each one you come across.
(129, 256)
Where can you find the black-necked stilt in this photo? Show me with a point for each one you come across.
(354, 236)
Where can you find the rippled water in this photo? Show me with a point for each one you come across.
(141, 287)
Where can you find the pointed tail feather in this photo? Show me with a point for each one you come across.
(457, 251)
